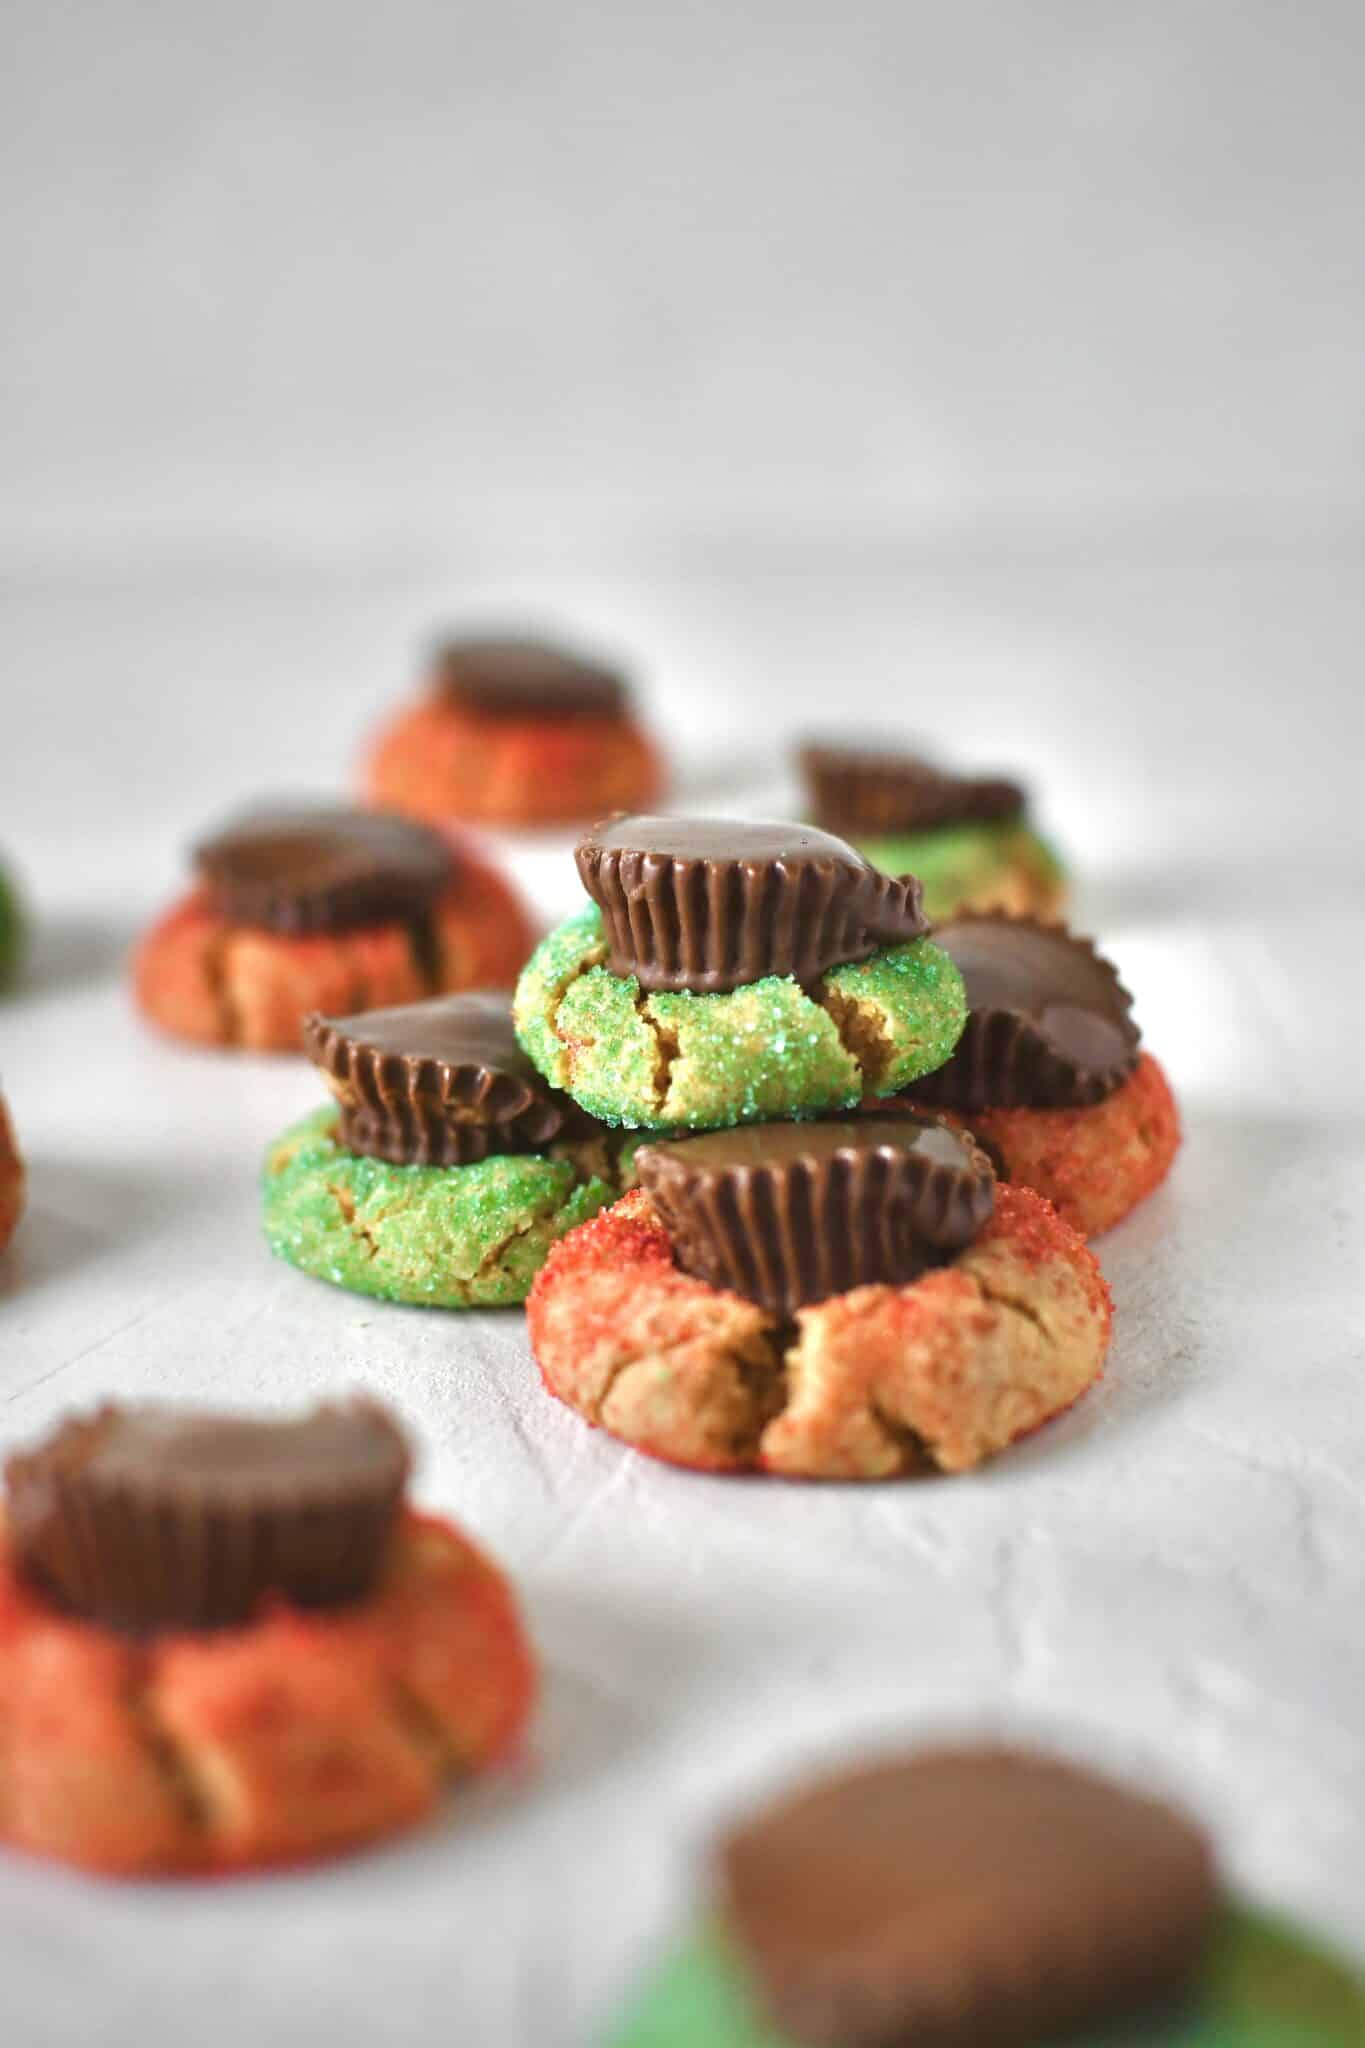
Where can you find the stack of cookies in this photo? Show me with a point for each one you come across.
(814, 1277)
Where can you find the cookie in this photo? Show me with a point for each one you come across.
(967, 838)
(1049, 1074)
(11, 930)
(324, 910)
(11, 1179)
(962, 1897)
(514, 732)
(435, 1236)
(874, 1383)
(731, 973)
(226, 1644)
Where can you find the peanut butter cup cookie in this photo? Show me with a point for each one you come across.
(1049, 1073)
(446, 1167)
(228, 1642)
(967, 838)
(728, 972)
(853, 1298)
(312, 908)
(514, 732)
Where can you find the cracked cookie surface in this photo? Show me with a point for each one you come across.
(1094, 1164)
(294, 1737)
(873, 1384)
(769, 1049)
(976, 867)
(200, 977)
(434, 1236)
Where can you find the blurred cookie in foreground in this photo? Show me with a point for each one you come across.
(513, 731)
(850, 1298)
(446, 1166)
(971, 1897)
(967, 838)
(1049, 1073)
(11, 1178)
(228, 1641)
(317, 907)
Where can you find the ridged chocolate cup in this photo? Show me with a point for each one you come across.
(440, 1083)
(151, 1518)
(868, 790)
(510, 677)
(323, 869)
(712, 904)
(1049, 1022)
(788, 1214)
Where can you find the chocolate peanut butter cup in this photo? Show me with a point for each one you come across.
(711, 904)
(868, 790)
(788, 1214)
(325, 869)
(1049, 1022)
(148, 1517)
(962, 1898)
(523, 678)
(441, 1083)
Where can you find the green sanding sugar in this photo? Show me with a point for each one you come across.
(963, 861)
(436, 1236)
(700, 1062)
(1263, 1985)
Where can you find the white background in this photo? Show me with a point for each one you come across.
(991, 373)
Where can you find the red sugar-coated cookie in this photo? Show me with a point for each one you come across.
(298, 1736)
(878, 1382)
(201, 977)
(440, 760)
(11, 1179)
(1095, 1165)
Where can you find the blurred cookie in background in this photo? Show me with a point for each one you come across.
(514, 731)
(311, 907)
(11, 1179)
(968, 838)
(11, 930)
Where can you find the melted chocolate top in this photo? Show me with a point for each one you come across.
(516, 678)
(314, 869)
(440, 1083)
(1049, 1023)
(868, 790)
(147, 1517)
(711, 904)
(787, 1214)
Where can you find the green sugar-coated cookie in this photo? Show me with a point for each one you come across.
(11, 930)
(436, 1236)
(970, 864)
(1263, 1986)
(700, 1062)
